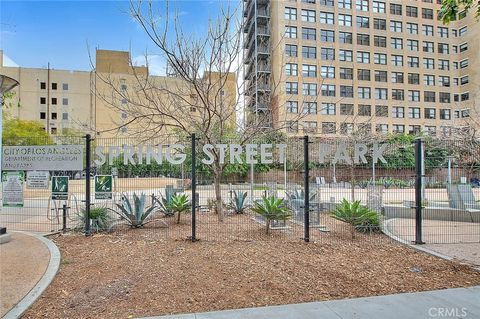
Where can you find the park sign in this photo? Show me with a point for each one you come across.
(12, 188)
(38, 179)
(43, 158)
(60, 187)
(103, 186)
(235, 153)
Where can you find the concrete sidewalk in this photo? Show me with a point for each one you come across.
(448, 303)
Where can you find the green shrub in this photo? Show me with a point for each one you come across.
(164, 205)
(99, 218)
(238, 204)
(271, 208)
(137, 214)
(361, 218)
(179, 204)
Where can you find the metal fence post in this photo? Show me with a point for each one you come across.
(418, 190)
(64, 218)
(306, 218)
(194, 187)
(87, 183)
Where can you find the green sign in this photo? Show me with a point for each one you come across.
(103, 186)
(12, 187)
(60, 187)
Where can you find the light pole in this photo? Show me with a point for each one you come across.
(6, 84)
(449, 176)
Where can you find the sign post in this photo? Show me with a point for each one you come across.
(60, 187)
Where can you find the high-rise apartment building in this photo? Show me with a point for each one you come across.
(335, 66)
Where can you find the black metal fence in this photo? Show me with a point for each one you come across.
(436, 202)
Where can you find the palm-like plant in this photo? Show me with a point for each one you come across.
(137, 214)
(238, 204)
(360, 218)
(179, 204)
(271, 208)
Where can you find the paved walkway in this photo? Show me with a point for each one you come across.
(27, 265)
(448, 303)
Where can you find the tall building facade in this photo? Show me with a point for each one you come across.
(330, 67)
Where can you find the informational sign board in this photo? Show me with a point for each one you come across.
(60, 187)
(37, 179)
(12, 187)
(103, 186)
(43, 158)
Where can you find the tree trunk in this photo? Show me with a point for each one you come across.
(352, 182)
(178, 217)
(267, 227)
(217, 176)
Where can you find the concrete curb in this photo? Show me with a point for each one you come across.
(42, 284)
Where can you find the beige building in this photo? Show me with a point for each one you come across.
(102, 101)
(331, 67)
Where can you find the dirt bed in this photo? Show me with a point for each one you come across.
(132, 273)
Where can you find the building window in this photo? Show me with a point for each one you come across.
(65, 116)
(328, 72)
(378, 7)
(414, 96)
(412, 28)
(328, 90)
(396, 9)
(309, 71)
(291, 32)
(364, 110)
(462, 31)
(361, 5)
(379, 41)
(43, 115)
(397, 43)
(381, 76)
(64, 101)
(398, 112)
(54, 116)
(381, 128)
(363, 57)
(346, 55)
(310, 126)
(429, 80)
(346, 128)
(345, 37)
(43, 86)
(291, 50)
(329, 128)
(428, 63)
(413, 62)
(310, 108)
(445, 114)
(463, 47)
(427, 30)
(309, 16)
(431, 130)
(442, 32)
(430, 113)
(328, 54)
(292, 126)
(412, 45)
(414, 112)
(443, 64)
(346, 109)
(379, 24)
(396, 26)
(346, 73)
(290, 13)
(327, 3)
(309, 52)
(345, 4)
(397, 77)
(464, 80)
(363, 22)
(364, 93)
(363, 39)
(412, 11)
(43, 100)
(328, 18)
(53, 130)
(381, 94)
(309, 89)
(345, 20)
(54, 101)
(363, 74)
(381, 110)
(397, 60)
(427, 13)
(398, 94)
(380, 58)
(429, 96)
(291, 69)
(443, 48)
(65, 86)
(444, 97)
(346, 91)
(444, 81)
(414, 129)
(54, 86)
(291, 87)
(428, 46)
(292, 107)
(398, 128)
(328, 109)
(309, 34)
(463, 64)
(327, 35)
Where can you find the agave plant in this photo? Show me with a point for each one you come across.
(271, 208)
(238, 203)
(360, 218)
(100, 220)
(164, 205)
(137, 214)
(179, 204)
